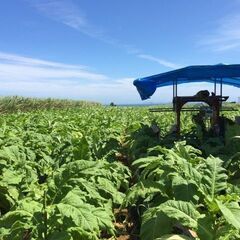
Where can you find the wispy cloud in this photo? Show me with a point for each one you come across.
(17, 59)
(66, 12)
(13, 66)
(102, 92)
(159, 61)
(69, 14)
(226, 36)
(20, 75)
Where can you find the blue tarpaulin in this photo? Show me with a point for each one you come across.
(225, 74)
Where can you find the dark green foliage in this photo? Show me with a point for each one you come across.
(63, 174)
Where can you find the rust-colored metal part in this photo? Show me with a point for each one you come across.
(214, 102)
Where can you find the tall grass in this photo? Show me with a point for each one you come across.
(23, 104)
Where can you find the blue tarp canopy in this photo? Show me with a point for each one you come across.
(225, 74)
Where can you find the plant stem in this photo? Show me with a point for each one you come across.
(45, 216)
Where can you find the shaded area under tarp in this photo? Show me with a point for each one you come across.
(223, 74)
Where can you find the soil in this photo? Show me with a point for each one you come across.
(125, 225)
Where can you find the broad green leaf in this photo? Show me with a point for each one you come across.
(89, 190)
(155, 224)
(231, 212)
(188, 171)
(185, 190)
(12, 154)
(187, 215)
(81, 148)
(173, 237)
(184, 212)
(14, 223)
(144, 162)
(214, 178)
(142, 189)
(107, 186)
(79, 233)
(6, 197)
(11, 177)
(186, 151)
(227, 232)
(206, 227)
(80, 215)
(104, 218)
(60, 235)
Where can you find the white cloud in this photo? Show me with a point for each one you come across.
(118, 92)
(6, 57)
(68, 13)
(35, 77)
(17, 67)
(159, 61)
(226, 36)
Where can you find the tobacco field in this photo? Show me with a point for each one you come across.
(104, 173)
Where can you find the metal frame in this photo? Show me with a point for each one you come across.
(214, 102)
(175, 88)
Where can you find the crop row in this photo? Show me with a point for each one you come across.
(104, 173)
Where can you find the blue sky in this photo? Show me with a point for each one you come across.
(93, 50)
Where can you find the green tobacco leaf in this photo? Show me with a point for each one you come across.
(63, 235)
(120, 174)
(186, 151)
(190, 172)
(155, 224)
(173, 237)
(79, 233)
(142, 189)
(19, 220)
(79, 168)
(7, 197)
(185, 190)
(75, 197)
(81, 149)
(184, 212)
(12, 217)
(205, 229)
(3, 164)
(214, 178)
(80, 215)
(89, 190)
(11, 177)
(187, 215)
(12, 154)
(108, 187)
(227, 232)
(14, 223)
(144, 162)
(29, 206)
(231, 212)
(104, 218)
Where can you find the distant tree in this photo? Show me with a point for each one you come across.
(112, 104)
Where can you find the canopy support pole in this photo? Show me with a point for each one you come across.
(176, 86)
(221, 92)
(173, 89)
(215, 86)
(221, 87)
